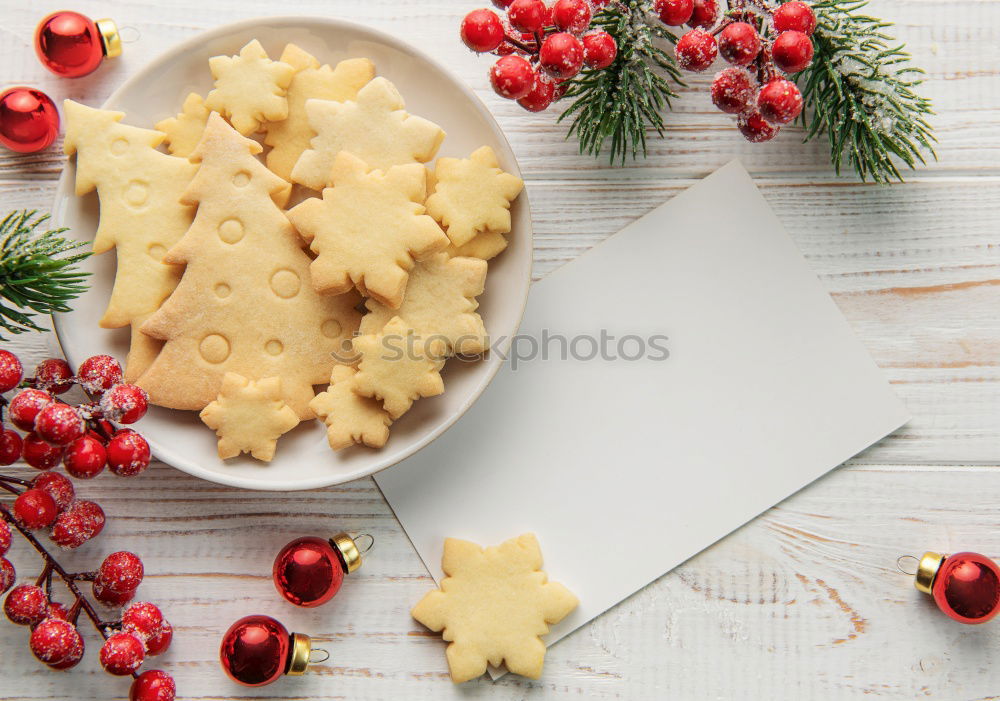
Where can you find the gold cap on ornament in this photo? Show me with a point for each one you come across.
(348, 550)
(300, 654)
(111, 40)
(927, 570)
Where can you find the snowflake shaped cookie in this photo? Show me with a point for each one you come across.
(473, 195)
(398, 367)
(493, 605)
(440, 302)
(487, 245)
(349, 417)
(374, 127)
(368, 229)
(249, 416)
(184, 131)
(249, 88)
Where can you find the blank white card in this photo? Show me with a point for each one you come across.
(765, 389)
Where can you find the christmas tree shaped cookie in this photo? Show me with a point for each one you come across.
(472, 195)
(374, 127)
(245, 303)
(398, 367)
(289, 138)
(440, 302)
(493, 605)
(249, 416)
(141, 215)
(249, 88)
(350, 418)
(368, 229)
(184, 131)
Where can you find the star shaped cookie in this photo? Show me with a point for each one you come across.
(289, 138)
(493, 605)
(440, 302)
(184, 131)
(374, 127)
(368, 229)
(349, 417)
(398, 367)
(249, 416)
(472, 195)
(249, 88)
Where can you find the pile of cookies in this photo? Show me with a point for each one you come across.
(338, 256)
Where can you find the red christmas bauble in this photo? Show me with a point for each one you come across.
(29, 120)
(966, 587)
(309, 571)
(257, 650)
(72, 45)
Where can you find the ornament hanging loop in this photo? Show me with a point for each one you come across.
(909, 572)
(318, 655)
(364, 542)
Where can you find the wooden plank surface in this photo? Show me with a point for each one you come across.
(803, 603)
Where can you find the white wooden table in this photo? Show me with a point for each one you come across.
(803, 603)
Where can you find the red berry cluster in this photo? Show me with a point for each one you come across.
(540, 46)
(761, 43)
(82, 437)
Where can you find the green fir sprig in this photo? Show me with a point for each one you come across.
(618, 104)
(859, 91)
(35, 276)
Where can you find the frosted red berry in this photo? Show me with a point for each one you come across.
(599, 49)
(7, 574)
(143, 619)
(540, 96)
(527, 15)
(35, 509)
(502, 4)
(111, 598)
(796, 16)
(673, 12)
(482, 31)
(122, 654)
(26, 605)
(76, 525)
(57, 486)
(704, 14)
(10, 446)
(696, 50)
(59, 424)
(739, 43)
(128, 453)
(153, 685)
(5, 538)
(571, 15)
(512, 77)
(125, 403)
(25, 405)
(54, 375)
(99, 373)
(732, 90)
(57, 610)
(792, 51)
(11, 371)
(121, 571)
(57, 643)
(40, 454)
(561, 55)
(755, 128)
(780, 101)
(85, 457)
(159, 643)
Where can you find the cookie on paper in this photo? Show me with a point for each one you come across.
(374, 127)
(184, 131)
(290, 137)
(249, 416)
(350, 418)
(398, 367)
(368, 229)
(493, 605)
(440, 303)
(472, 195)
(249, 88)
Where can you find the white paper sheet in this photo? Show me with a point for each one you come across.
(765, 389)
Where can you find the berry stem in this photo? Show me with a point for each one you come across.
(9, 488)
(15, 480)
(520, 45)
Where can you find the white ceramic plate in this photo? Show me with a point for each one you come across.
(304, 460)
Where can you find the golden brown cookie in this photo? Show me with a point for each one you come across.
(249, 88)
(184, 131)
(249, 416)
(349, 417)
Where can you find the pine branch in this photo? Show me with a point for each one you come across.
(859, 91)
(619, 103)
(32, 277)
